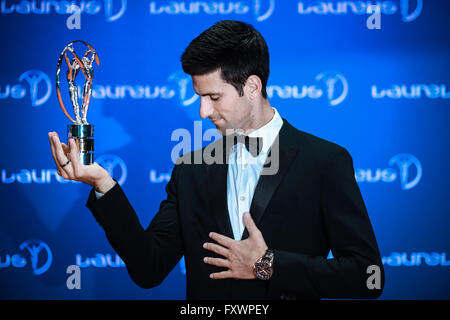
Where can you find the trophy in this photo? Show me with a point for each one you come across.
(80, 129)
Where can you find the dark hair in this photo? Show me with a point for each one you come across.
(235, 47)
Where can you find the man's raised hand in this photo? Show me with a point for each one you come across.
(68, 165)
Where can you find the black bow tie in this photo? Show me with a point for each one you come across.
(253, 144)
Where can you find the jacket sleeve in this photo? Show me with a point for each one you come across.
(150, 254)
(351, 239)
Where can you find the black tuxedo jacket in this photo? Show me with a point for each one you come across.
(311, 205)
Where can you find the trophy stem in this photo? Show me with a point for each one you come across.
(83, 134)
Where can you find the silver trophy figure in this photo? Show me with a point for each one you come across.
(80, 129)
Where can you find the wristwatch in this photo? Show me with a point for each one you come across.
(263, 268)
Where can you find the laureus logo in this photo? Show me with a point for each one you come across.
(34, 247)
(260, 14)
(186, 94)
(331, 86)
(409, 173)
(407, 10)
(111, 12)
(409, 15)
(114, 9)
(115, 166)
(41, 257)
(33, 78)
(38, 84)
(406, 163)
(336, 87)
(261, 9)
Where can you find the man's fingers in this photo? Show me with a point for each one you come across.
(217, 249)
(218, 262)
(223, 240)
(61, 158)
(50, 138)
(65, 148)
(221, 275)
(59, 153)
(250, 224)
(74, 156)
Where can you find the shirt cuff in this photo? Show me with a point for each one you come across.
(98, 194)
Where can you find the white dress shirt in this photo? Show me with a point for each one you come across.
(244, 171)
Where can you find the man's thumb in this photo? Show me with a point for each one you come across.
(249, 223)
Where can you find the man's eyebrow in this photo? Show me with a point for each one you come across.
(210, 94)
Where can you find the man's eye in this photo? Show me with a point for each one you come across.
(214, 99)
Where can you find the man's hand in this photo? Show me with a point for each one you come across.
(93, 174)
(239, 256)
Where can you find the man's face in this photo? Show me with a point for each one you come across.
(221, 103)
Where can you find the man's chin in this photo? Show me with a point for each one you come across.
(225, 131)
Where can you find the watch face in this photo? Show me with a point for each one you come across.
(263, 271)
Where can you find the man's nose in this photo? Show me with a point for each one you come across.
(206, 109)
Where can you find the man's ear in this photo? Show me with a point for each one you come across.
(253, 87)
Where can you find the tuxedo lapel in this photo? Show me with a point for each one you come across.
(217, 190)
(268, 183)
(265, 188)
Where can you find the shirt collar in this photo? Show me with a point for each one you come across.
(269, 131)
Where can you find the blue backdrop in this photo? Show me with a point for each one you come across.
(381, 93)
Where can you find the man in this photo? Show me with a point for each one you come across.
(244, 234)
